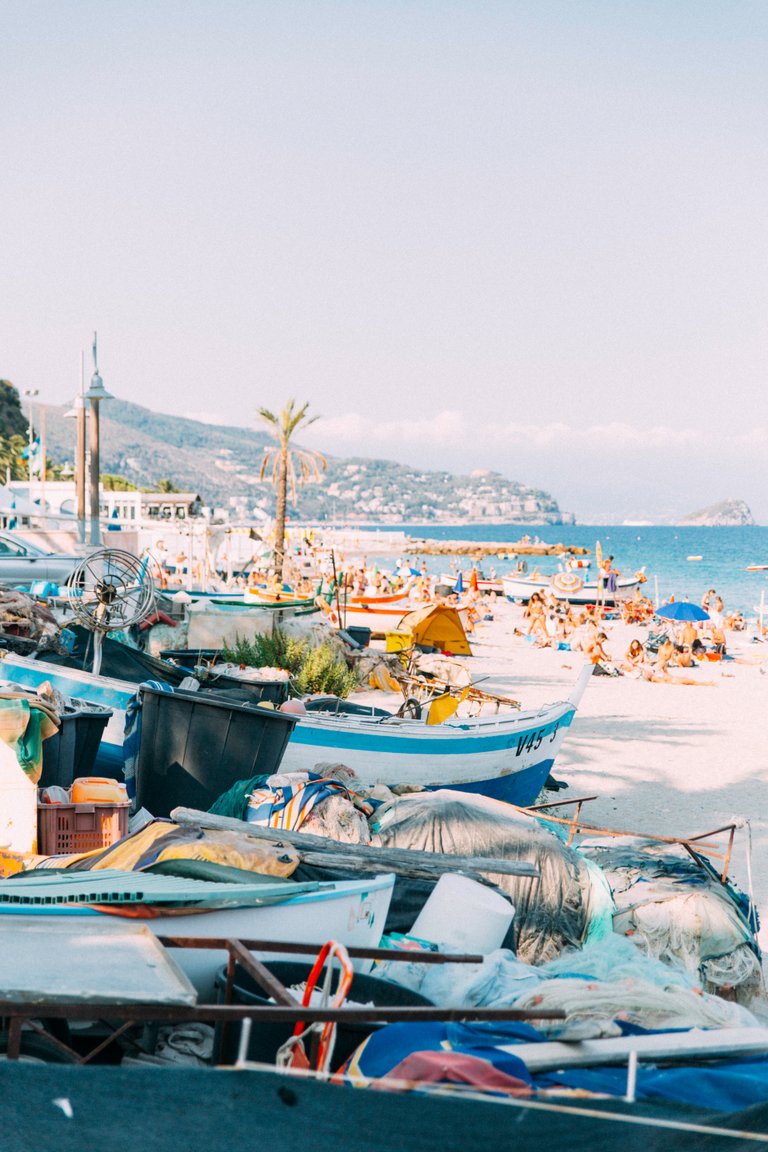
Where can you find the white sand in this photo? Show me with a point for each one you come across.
(673, 760)
(664, 759)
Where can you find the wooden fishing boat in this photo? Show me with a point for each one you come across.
(353, 912)
(506, 757)
(379, 619)
(569, 586)
(484, 583)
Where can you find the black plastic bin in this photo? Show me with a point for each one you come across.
(359, 634)
(267, 1038)
(72, 751)
(194, 746)
(274, 691)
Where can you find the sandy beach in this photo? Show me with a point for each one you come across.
(667, 759)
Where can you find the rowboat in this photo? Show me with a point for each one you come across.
(187, 1106)
(353, 912)
(380, 620)
(569, 586)
(484, 583)
(505, 757)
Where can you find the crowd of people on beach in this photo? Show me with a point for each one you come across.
(659, 657)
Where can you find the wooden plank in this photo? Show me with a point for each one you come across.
(698, 1044)
(321, 851)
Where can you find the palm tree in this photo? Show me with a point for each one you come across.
(288, 467)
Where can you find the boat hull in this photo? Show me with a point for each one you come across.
(508, 759)
(523, 587)
(71, 1108)
(353, 912)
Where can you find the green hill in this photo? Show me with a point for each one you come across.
(222, 464)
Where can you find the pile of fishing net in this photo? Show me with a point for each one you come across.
(680, 913)
(553, 911)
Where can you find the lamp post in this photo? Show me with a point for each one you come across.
(95, 394)
(30, 393)
(77, 412)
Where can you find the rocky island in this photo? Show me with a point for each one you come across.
(726, 514)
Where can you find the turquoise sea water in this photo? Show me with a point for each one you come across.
(664, 551)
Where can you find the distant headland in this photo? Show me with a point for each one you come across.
(726, 514)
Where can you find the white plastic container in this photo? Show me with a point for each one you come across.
(464, 916)
(18, 804)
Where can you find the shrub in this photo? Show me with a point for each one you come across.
(318, 669)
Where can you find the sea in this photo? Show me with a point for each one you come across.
(684, 562)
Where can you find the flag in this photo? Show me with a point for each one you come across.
(32, 454)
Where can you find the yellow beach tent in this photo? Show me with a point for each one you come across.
(440, 626)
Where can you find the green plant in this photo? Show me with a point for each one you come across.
(323, 671)
(319, 669)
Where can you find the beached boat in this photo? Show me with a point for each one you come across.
(63, 1106)
(352, 912)
(569, 586)
(379, 619)
(484, 583)
(507, 757)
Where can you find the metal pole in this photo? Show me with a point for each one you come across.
(94, 477)
(80, 454)
(41, 410)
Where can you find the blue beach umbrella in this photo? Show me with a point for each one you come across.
(459, 585)
(682, 610)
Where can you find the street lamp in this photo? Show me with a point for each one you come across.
(30, 393)
(77, 412)
(95, 394)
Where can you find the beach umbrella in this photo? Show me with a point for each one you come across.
(682, 610)
(473, 580)
(459, 585)
(567, 583)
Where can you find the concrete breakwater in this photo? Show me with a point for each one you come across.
(489, 548)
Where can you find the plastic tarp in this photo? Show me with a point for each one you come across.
(723, 1087)
(162, 841)
(553, 911)
(438, 626)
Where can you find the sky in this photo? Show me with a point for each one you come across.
(522, 236)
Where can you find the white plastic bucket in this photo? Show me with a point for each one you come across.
(464, 916)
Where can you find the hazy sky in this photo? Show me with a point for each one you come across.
(528, 236)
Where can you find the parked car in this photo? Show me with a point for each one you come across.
(22, 562)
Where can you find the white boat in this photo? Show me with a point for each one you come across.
(484, 583)
(353, 912)
(507, 757)
(379, 619)
(569, 586)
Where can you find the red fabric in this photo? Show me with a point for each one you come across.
(457, 1068)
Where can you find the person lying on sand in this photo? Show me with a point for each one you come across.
(655, 676)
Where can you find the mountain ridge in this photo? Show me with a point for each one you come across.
(222, 463)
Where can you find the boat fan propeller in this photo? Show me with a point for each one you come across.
(110, 590)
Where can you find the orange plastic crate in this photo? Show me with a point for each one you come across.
(67, 828)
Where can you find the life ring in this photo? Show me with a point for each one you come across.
(567, 582)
